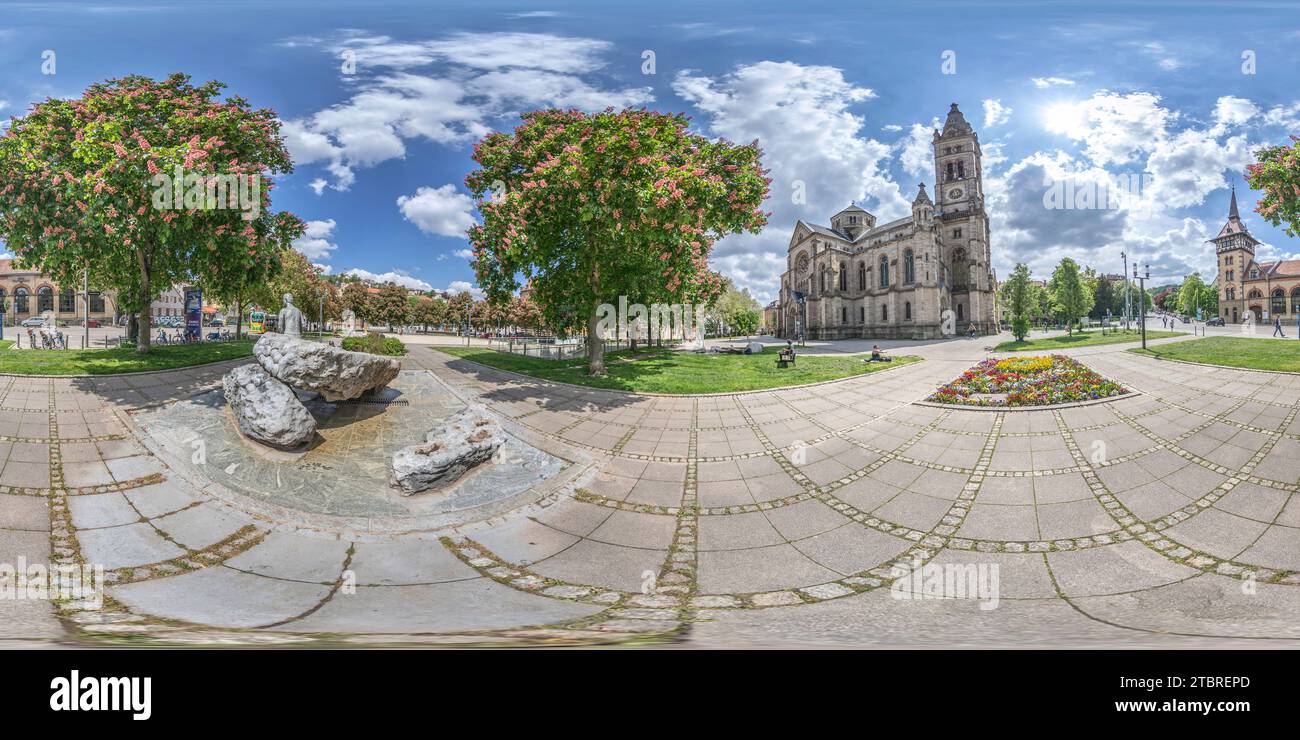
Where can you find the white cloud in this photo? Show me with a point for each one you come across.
(995, 113)
(1041, 82)
(315, 242)
(442, 211)
(1233, 111)
(1286, 116)
(460, 286)
(1114, 127)
(393, 276)
(484, 77)
(465, 254)
(1188, 166)
(916, 151)
(892, 128)
(324, 269)
(810, 138)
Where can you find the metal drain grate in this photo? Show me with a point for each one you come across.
(374, 402)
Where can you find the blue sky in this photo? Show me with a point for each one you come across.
(842, 96)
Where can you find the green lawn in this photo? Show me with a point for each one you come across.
(664, 371)
(1254, 354)
(117, 360)
(1081, 339)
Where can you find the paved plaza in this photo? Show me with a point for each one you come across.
(1167, 517)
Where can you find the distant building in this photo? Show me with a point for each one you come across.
(912, 278)
(772, 317)
(29, 293)
(1264, 290)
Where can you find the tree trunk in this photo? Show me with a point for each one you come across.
(142, 344)
(239, 316)
(595, 345)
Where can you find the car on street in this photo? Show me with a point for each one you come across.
(33, 322)
(1216, 321)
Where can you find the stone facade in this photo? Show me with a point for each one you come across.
(28, 293)
(1262, 290)
(855, 278)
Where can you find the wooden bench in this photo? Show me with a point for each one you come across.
(785, 358)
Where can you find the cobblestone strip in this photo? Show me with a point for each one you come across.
(1150, 535)
(1234, 477)
(489, 565)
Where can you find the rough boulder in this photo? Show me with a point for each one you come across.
(336, 374)
(467, 439)
(267, 410)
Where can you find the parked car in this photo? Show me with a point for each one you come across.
(92, 323)
(1216, 321)
(34, 322)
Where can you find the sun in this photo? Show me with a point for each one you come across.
(1062, 118)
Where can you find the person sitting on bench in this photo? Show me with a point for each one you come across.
(878, 355)
(786, 355)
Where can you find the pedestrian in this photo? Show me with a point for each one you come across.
(1277, 327)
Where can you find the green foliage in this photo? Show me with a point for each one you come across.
(734, 312)
(1071, 292)
(1016, 297)
(1277, 173)
(1195, 294)
(376, 344)
(593, 207)
(81, 182)
(389, 306)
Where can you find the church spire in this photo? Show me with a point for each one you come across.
(956, 122)
(1233, 215)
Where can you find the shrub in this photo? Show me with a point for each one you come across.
(376, 344)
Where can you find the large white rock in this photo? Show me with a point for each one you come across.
(336, 374)
(267, 410)
(468, 438)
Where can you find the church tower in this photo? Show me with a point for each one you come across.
(962, 222)
(1235, 254)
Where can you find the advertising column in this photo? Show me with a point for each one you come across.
(193, 314)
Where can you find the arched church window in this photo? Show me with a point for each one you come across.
(20, 300)
(844, 276)
(884, 272)
(44, 298)
(909, 267)
(1278, 304)
(907, 310)
(862, 276)
(884, 312)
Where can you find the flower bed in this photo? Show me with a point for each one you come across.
(1027, 381)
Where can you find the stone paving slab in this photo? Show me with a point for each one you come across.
(769, 518)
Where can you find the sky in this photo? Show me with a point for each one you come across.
(381, 104)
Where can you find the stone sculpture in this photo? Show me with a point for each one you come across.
(267, 410)
(336, 374)
(468, 438)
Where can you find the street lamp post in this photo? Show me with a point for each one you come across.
(85, 300)
(1142, 291)
(1128, 308)
(321, 328)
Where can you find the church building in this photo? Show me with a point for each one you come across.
(922, 276)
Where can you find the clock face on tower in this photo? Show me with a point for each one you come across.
(954, 193)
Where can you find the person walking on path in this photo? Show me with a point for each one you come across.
(1277, 327)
